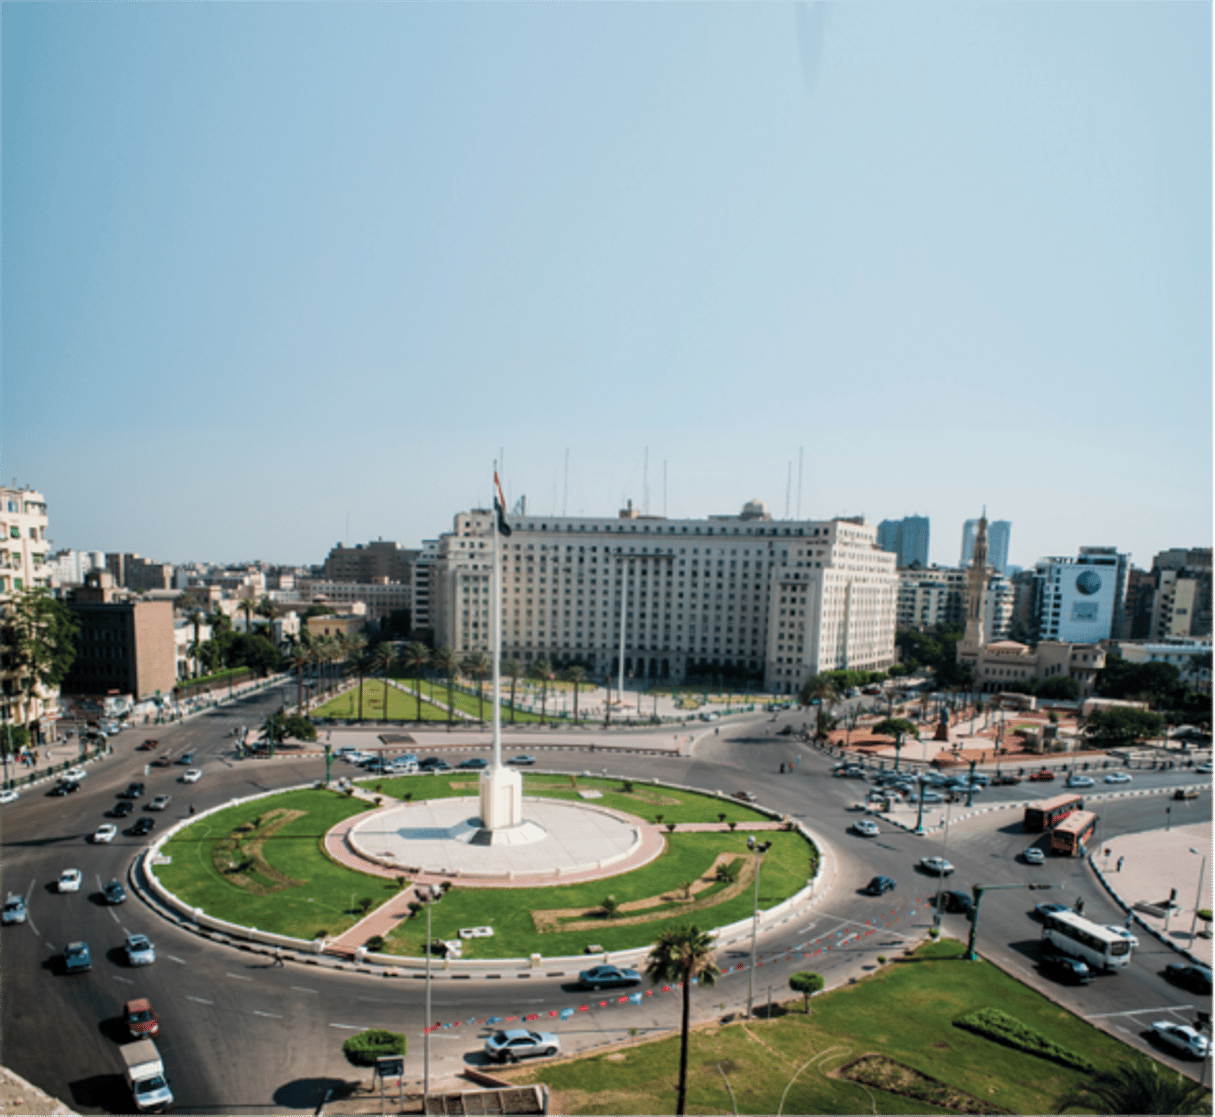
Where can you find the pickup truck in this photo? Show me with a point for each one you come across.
(146, 1075)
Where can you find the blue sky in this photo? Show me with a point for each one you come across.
(278, 275)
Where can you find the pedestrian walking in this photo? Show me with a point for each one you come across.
(1079, 906)
(191, 808)
(1120, 860)
(278, 956)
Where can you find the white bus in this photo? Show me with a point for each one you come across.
(1100, 948)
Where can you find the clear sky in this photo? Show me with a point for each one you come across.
(279, 275)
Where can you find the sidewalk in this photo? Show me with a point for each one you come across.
(1153, 863)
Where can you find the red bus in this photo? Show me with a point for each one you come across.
(1046, 814)
(1070, 836)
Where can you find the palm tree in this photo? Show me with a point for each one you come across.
(194, 616)
(898, 728)
(356, 655)
(542, 669)
(823, 689)
(477, 666)
(576, 675)
(246, 605)
(417, 656)
(1140, 1087)
(381, 660)
(266, 608)
(300, 657)
(684, 954)
(353, 647)
(514, 669)
(444, 659)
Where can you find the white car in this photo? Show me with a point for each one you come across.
(160, 803)
(140, 952)
(105, 833)
(77, 773)
(70, 879)
(191, 775)
(1204, 769)
(866, 827)
(9, 796)
(936, 865)
(1118, 777)
(1114, 928)
(1078, 781)
(1034, 856)
(1182, 1037)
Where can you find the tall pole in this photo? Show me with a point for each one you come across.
(426, 1032)
(941, 876)
(495, 634)
(1202, 878)
(761, 849)
(623, 590)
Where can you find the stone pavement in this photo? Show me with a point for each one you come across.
(1153, 863)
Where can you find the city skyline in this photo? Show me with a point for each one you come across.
(251, 318)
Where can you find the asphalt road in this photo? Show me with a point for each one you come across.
(241, 1035)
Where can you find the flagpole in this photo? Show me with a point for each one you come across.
(495, 631)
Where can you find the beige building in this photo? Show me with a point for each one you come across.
(125, 647)
(367, 563)
(735, 595)
(938, 595)
(344, 624)
(381, 598)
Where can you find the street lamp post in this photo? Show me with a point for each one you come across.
(426, 1030)
(978, 891)
(1202, 878)
(761, 848)
(936, 920)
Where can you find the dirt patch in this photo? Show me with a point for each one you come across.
(563, 919)
(239, 858)
(895, 1078)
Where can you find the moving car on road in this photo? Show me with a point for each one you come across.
(522, 758)
(608, 977)
(134, 789)
(142, 826)
(140, 952)
(191, 775)
(13, 910)
(66, 787)
(1066, 968)
(1118, 777)
(1034, 856)
(121, 809)
(961, 902)
(1005, 779)
(521, 1043)
(104, 833)
(77, 958)
(1195, 978)
(878, 886)
(69, 880)
(866, 827)
(434, 764)
(938, 866)
(475, 763)
(1043, 775)
(9, 796)
(140, 1018)
(1078, 781)
(114, 893)
(1181, 1037)
(160, 803)
(1041, 911)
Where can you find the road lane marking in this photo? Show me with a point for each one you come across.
(1138, 1011)
(114, 917)
(301, 989)
(272, 1015)
(239, 977)
(174, 958)
(200, 1000)
(349, 1027)
(124, 980)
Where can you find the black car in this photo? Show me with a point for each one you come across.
(142, 826)
(186, 758)
(476, 762)
(1066, 968)
(955, 901)
(66, 787)
(434, 764)
(878, 885)
(1194, 978)
(134, 790)
(122, 808)
(114, 893)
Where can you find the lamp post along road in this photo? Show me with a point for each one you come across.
(978, 891)
(761, 848)
(1202, 876)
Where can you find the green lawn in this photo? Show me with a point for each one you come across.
(401, 707)
(904, 1011)
(323, 902)
(688, 856)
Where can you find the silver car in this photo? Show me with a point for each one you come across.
(140, 952)
(520, 1043)
(14, 909)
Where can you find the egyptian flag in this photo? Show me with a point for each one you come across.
(500, 506)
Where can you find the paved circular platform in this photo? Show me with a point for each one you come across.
(441, 836)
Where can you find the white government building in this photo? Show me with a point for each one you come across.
(735, 596)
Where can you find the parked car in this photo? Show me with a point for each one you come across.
(937, 866)
(931, 797)
(69, 880)
(9, 795)
(961, 902)
(13, 910)
(140, 1018)
(866, 827)
(521, 1043)
(1066, 968)
(1044, 774)
(191, 775)
(1033, 856)
(114, 893)
(160, 803)
(1195, 978)
(121, 809)
(105, 833)
(1118, 777)
(77, 958)
(140, 952)
(1041, 911)
(522, 758)
(474, 763)
(1118, 929)
(878, 886)
(143, 825)
(1181, 1037)
(608, 977)
(434, 764)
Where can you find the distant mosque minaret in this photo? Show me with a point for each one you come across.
(977, 576)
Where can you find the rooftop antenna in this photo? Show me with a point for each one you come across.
(788, 489)
(800, 458)
(346, 537)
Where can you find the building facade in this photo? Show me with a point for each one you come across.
(741, 596)
(998, 534)
(1191, 655)
(1079, 598)
(369, 562)
(938, 596)
(906, 538)
(381, 598)
(133, 572)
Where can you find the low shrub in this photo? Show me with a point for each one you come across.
(375, 944)
(993, 1024)
(363, 1049)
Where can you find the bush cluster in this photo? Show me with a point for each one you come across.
(991, 1023)
(363, 1050)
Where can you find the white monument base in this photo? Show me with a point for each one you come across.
(501, 798)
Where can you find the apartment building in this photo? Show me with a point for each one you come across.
(381, 598)
(1181, 603)
(743, 596)
(367, 563)
(937, 595)
(1081, 599)
(421, 584)
(133, 572)
(1191, 655)
(906, 538)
